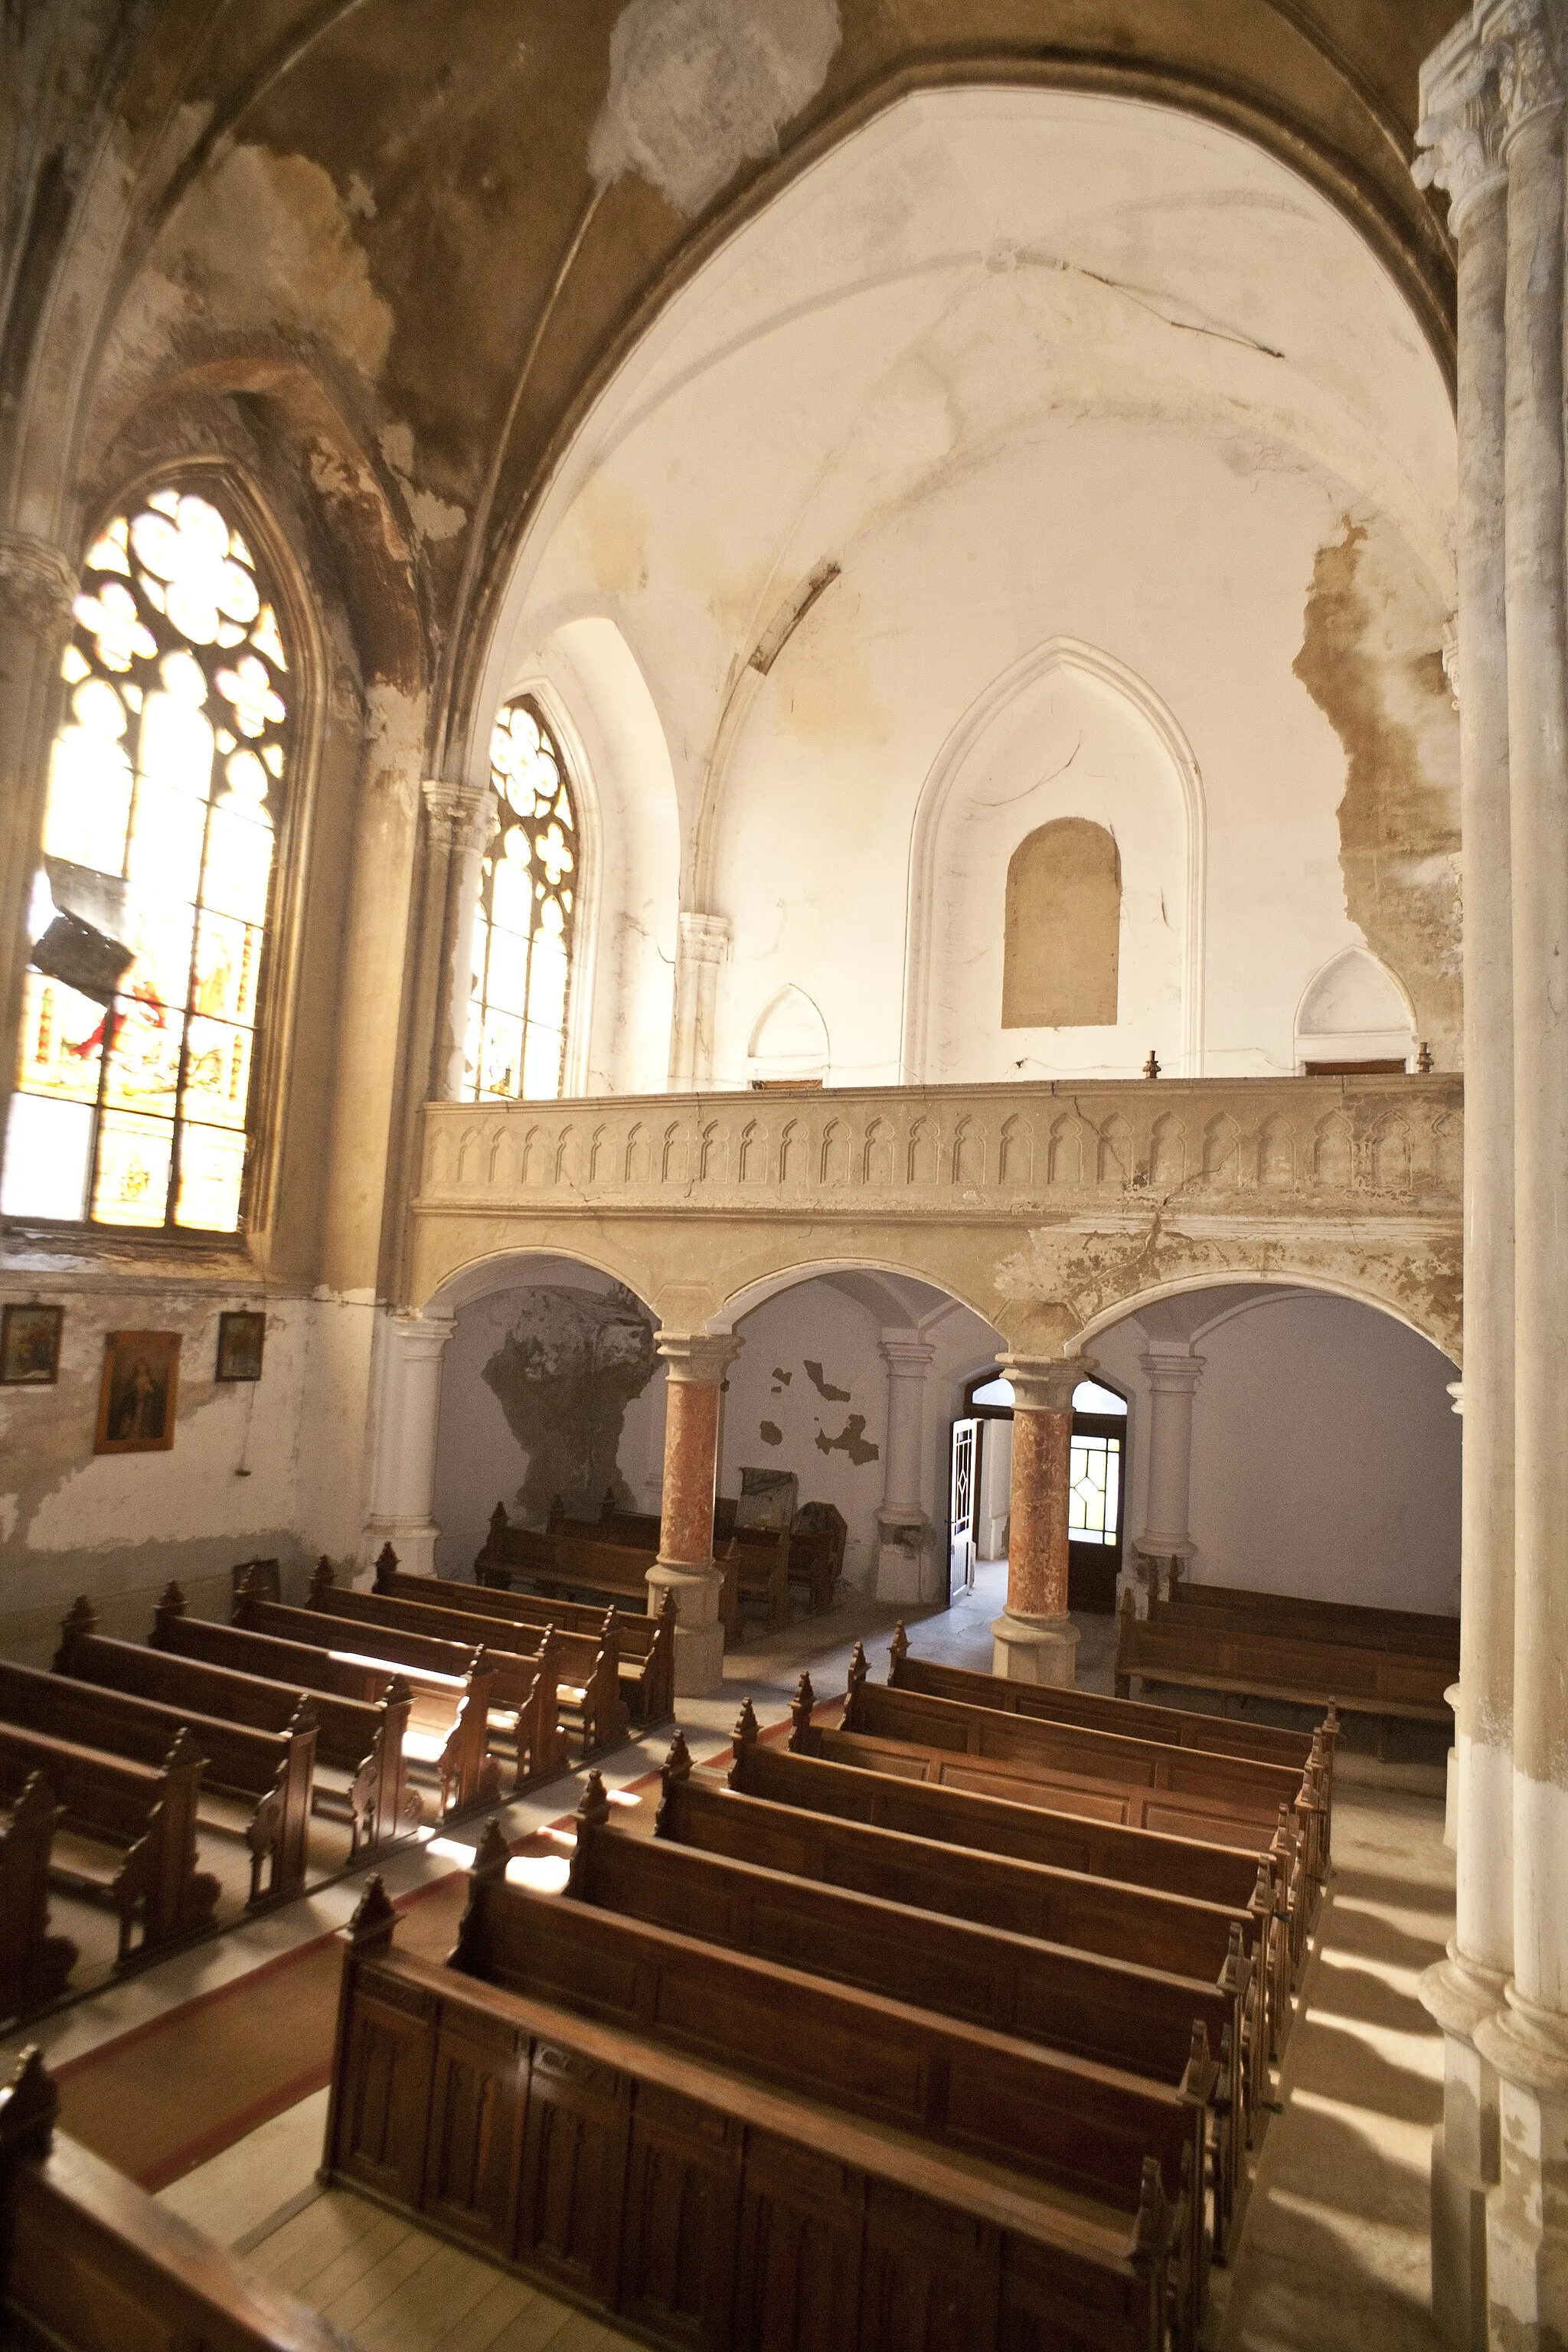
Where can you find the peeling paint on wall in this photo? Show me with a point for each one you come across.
(563, 1375)
(1384, 691)
(770, 1433)
(825, 1388)
(850, 1440)
(700, 87)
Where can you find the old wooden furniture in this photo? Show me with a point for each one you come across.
(34, 1965)
(1201, 1649)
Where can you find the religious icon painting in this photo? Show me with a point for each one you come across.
(241, 1337)
(30, 1346)
(141, 1382)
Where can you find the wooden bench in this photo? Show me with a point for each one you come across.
(34, 1965)
(1069, 1757)
(145, 1813)
(1076, 2125)
(1134, 2016)
(359, 1778)
(453, 1687)
(1181, 1647)
(1137, 1719)
(1215, 1942)
(762, 1557)
(89, 2263)
(581, 1669)
(816, 1542)
(698, 2207)
(1418, 1632)
(588, 1561)
(644, 1645)
(270, 1772)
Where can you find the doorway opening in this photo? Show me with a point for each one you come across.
(982, 1476)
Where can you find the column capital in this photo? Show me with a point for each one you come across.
(465, 814)
(702, 1358)
(906, 1354)
(1171, 1370)
(704, 938)
(37, 583)
(418, 1335)
(1463, 117)
(1044, 1383)
(1528, 36)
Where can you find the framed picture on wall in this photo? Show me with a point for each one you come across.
(30, 1346)
(241, 1337)
(140, 1385)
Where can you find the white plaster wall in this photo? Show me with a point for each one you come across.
(118, 1526)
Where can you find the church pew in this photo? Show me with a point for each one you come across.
(34, 1965)
(274, 1768)
(1137, 2018)
(644, 1645)
(359, 1741)
(1173, 1779)
(762, 1558)
(454, 1686)
(1175, 1865)
(587, 1562)
(1079, 2127)
(1182, 1647)
(695, 2205)
(1171, 1726)
(145, 1813)
(584, 1663)
(1418, 1632)
(816, 1552)
(89, 2263)
(1218, 1943)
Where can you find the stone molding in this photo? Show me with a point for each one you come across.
(1458, 1992)
(1044, 1383)
(1172, 1370)
(463, 817)
(702, 1358)
(418, 1336)
(704, 938)
(907, 1359)
(38, 583)
(1526, 2044)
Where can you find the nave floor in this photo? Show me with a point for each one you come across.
(1334, 2245)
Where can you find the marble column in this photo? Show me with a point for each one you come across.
(408, 1416)
(38, 588)
(702, 943)
(1034, 1639)
(698, 1363)
(903, 1528)
(1461, 131)
(1161, 1552)
(460, 820)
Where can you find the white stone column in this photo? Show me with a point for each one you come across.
(698, 1362)
(1165, 1545)
(461, 819)
(37, 587)
(402, 1481)
(702, 944)
(903, 1525)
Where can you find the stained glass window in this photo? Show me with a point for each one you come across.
(148, 914)
(522, 933)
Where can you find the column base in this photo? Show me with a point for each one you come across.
(901, 1549)
(1035, 1650)
(413, 1541)
(1155, 1564)
(1459, 1993)
(698, 1635)
(1527, 2217)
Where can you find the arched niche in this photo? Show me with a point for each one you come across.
(789, 1043)
(1354, 1012)
(1061, 926)
(1069, 736)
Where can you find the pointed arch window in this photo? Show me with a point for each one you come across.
(524, 927)
(135, 1077)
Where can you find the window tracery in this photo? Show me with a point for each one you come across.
(524, 927)
(137, 1052)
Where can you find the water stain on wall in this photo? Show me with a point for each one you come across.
(1379, 682)
(563, 1375)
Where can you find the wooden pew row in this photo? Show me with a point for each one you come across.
(270, 1772)
(34, 1965)
(762, 1557)
(582, 1668)
(1249, 1886)
(1138, 1719)
(644, 1645)
(358, 1742)
(587, 1562)
(89, 2263)
(1135, 2016)
(1182, 1647)
(143, 1814)
(702, 2210)
(452, 1686)
(1069, 2124)
(1155, 1786)
(1417, 1631)
(1214, 1943)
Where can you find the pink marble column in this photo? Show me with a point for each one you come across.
(1034, 1639)
(697, 1365)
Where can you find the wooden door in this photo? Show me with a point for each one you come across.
(1096, 1492)
(961, 1507)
